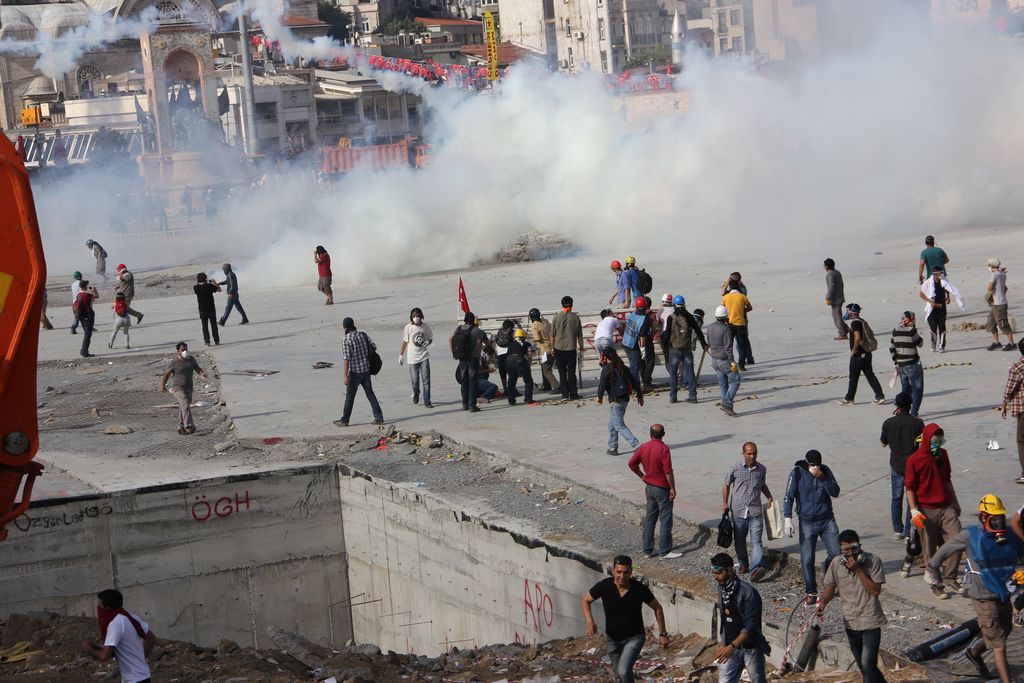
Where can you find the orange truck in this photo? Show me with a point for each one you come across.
(344, 158)
(22, 281)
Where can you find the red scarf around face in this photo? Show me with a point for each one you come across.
(105, 615)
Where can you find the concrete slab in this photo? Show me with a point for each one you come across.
(787, 402)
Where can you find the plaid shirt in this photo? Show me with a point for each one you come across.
(355, 348)
(1013, 395)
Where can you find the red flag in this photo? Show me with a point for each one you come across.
(463, 301)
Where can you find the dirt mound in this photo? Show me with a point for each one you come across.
(535, 246)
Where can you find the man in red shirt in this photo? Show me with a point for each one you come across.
(652, 462)
(934, 507)
(324, 275)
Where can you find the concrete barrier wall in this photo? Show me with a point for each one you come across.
(215, 559)
(441, 579)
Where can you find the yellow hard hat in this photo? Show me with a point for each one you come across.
(520, 333)
(991, 505)
(630, 260)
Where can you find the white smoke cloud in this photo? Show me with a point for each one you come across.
(59, 55)
(321, 48)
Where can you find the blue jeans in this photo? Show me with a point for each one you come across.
(864, 646)
(604, 345)
(364, 380)
(912, 382)
(740, 527)
(233, 302)
(750, 659)
(623, 655)
(900, 520)
(828, 531)
(636, 364)
(617, 425)
(675, 358)
(417, 372)
(728, 381)
(659, 511)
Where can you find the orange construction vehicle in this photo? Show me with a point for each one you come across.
(22, 280)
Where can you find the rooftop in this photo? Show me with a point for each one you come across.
(428, 21)
(507, 52)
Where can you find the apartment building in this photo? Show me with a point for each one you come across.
(721, 27)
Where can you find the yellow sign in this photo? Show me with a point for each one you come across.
(5, 286)
(491, 38)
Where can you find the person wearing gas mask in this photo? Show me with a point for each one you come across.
(934, 508)
(809, 493)
(992, 557)
(857, 578)
(181, 368)
(416, 340)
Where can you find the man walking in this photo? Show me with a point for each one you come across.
(567, 333)
(231, 284)
(180, 371)
(744, 646)
(720, 336)
(125, 638)
(652, 462)
(85, 314)
(932, 258)
(623, 294)
(356, 349)
(899, 434)
(618, 382)
(741, 498)
(416, 340)
(993, 554)
(683, 334)
(324, 274)
(998, 319)
(100, 254)
(738, 305)
(635, 339)
(126, 286)
(811, 487)
(857, 580)
(1013, 400)
(835, 298)
(623, 598)
(934, 507)
(937, 294)
(540, 331)
(903, 346)
(465, 344)
(204, 290)
(862, 344)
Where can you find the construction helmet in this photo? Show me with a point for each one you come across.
(666, 298)
(680, 300)
(642, 302)
(630, 261)
(616, 265)
(520, 333)
(534, 314)
(990, 504)
(721, 312)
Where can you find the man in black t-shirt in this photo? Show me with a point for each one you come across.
(207, 308)
(860, 359)
(623, 598)
(899, 434)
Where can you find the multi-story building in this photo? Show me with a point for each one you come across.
(721, 27)
(601, 35)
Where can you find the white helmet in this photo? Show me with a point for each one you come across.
(666, 299)
(721, 312)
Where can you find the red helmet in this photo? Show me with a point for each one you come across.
(616, 265)
(642, 302)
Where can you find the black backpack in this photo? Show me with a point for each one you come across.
(621, 385)
(725, 531)
(462, 343)
(503, 337)
(645, 281)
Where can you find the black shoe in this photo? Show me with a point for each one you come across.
(574, 397)
(691, 400)
(474, 409)
(741, 366)
(340, 423)
(612, 451)
(88, 355)
(757, 574)
(139, 319)
(428, 405)
(994, 345)
(74, 331)
(190, 430)
(181, 430)
(377, 422)
(465, 407)
(415, 399)
(207, 343)
(978, 662)
(221, 322)
(673, 400)
(244, 322)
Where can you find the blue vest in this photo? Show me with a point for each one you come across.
(994, 562)
(634, 323)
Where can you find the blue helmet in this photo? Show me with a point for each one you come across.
(679, 300)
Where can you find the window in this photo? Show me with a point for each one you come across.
(568, 28)
(365, 27)
(600, 28)
(604, 61)
(570, 56)
(737, 44)
(722, 28)
(723, 44)
(734, 17)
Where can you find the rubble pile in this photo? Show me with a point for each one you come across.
(535, 246)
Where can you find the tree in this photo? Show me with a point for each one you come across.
(643, 58)
(338, 19)
(401, 21)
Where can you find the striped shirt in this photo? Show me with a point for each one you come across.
(1013, 396)
(904, 344)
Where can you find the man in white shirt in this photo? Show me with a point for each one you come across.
(604, 335)
(76, 287)
(125, 638)
(416, 338)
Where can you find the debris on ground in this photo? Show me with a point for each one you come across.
(535, 246)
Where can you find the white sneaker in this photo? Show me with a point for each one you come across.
(671, 556)
(844, 402)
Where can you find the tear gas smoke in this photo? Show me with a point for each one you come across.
(60, 54)
(903, 134)
(321, 48)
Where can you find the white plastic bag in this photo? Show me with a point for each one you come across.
(773, 517)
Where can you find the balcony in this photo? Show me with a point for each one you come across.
(700, 24)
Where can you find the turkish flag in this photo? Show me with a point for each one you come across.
(463, 301)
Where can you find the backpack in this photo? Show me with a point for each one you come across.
(680, 326)
(462, 343)
(645, 281)
(77, 304)
(620, 386)
(503, 337)
(868, 343)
